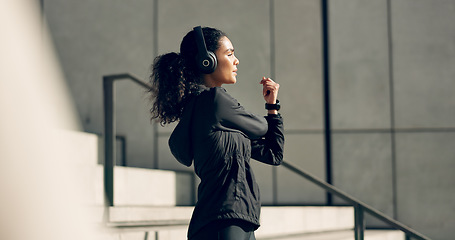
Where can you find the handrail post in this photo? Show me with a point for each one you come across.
(359, 222)
(109, 140)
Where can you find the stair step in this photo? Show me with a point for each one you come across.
(279, 223)
(180, 233)
(275, 221)
(291, 220)
(138, 186)
(342, 235)
(150, 216)
(132, 186)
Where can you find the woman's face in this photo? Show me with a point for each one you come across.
(226, 70)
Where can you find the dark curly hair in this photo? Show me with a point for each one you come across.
(175, 76)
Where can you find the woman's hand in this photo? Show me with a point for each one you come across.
(270, 91)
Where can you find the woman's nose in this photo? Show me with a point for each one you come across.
(236, 61)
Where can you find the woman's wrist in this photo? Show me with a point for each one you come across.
(273, 108)
(272, 112)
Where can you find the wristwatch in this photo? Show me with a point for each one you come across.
(275, 106)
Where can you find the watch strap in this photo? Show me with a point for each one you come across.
(275, 106)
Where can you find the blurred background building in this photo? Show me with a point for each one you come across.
(366, 91)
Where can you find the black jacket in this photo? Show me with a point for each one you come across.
(220, 136)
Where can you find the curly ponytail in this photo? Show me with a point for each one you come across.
(170, 87)
(175, 76)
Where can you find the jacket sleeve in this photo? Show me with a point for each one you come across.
(231, 115)
(269, 149)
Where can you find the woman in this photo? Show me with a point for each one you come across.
(217, 133)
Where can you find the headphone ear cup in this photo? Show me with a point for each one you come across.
(207, 64)
(214, 63)
(206, 60)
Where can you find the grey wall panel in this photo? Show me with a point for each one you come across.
(426, 182)
(359, 72)
(96, 38)
(185, 194)
(299, 63)
(132, 117)
(305, 151)
(424, 60)
(298, 69)
(264, 177)
(362, 167)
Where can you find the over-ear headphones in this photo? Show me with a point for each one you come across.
(206, 60)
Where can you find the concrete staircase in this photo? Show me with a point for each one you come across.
(147, 205)
(280, 223)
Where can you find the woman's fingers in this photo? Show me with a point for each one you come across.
(270, 89)
(265, 91)
(269, 84)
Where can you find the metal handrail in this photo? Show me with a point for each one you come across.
(359, 207)
(109, 131)
(109, 141)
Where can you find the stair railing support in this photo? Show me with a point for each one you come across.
(359, 224)
(109, 140)
(109, 131)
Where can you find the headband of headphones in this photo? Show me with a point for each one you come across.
(206, 60)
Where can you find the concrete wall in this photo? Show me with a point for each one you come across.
(392, 77)
(96, 38)
(424, 75)
(360, 94)
(391, 82)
